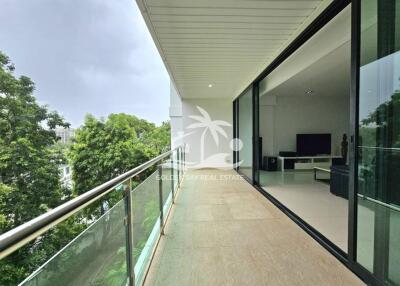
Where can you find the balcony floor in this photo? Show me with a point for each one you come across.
(221, 231)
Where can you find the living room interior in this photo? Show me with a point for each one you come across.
(304, 128)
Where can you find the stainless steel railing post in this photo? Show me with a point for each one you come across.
(172, 179)
(181, 155)
(183, 162)
(160, 197)
(178, 166)
(184, 158)
(23, 234)
(130, 263)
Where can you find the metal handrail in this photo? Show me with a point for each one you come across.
(380, 148)
(21, 235)
(392, 207)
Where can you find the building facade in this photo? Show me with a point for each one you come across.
(65, 134)
(270, 82)
(285, 158)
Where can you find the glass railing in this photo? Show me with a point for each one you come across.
(373, 164)
(116, 247)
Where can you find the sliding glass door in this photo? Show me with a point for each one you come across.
(245, 133)
(378, 167)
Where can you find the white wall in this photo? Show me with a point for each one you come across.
(175, 114)
(291, 115)
(214, 154)
(202, 150)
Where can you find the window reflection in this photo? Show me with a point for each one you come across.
(378, 225)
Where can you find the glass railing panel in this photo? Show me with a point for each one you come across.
(378, 209)
(180, 164)
(166, 185)
(175, 167)
(394, 246)
(97, 256)
(145, 223)
(91, 245)
(173, 172)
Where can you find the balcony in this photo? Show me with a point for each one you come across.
(221, 231)
(199, 227)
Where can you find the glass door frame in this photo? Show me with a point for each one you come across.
(365, 274)
(353, 157)
(331, 11)
(353, 154)
(254, 179)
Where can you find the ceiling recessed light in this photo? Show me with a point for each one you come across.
(210, 85)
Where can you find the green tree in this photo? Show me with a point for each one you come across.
(381, 128)
(30, 178)
(140, 126)
(29, 175)
(103, 150)
(28, 164)
(159, 138)
(385, 121)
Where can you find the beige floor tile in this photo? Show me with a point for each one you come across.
(207, 267)
(226, 233)
(175, 267)
(201, 213)
(221, 213)
(249, 210)
(240, 268)
(204, 235)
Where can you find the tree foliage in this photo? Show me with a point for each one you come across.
(28, 166)
(29, 175)
(30, 157)
(159, 138)
(385, 121)
(105, 149)
(381, 129)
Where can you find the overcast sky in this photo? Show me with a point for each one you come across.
(86, 56)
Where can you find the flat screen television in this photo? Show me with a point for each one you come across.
(313, 144)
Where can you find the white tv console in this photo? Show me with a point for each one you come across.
(307, 162)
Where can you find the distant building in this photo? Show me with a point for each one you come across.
(65, 134)
(66, 176)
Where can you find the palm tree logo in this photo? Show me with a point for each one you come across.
(213, 126)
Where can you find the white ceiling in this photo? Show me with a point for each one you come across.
(329, 76)
(226, 43)
(321, 65)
